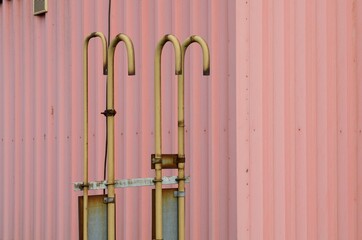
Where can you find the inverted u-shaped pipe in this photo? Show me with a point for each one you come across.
(206, 71)
(181, 125)
(110, 112)
(85, 113)
(158, 117)
(178, 71)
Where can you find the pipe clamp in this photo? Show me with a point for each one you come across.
(109, 112)
(179, 194)
(107, 200)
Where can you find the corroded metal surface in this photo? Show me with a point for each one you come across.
(169, 214)
(273, 137)
(97, 217)
(124, 183)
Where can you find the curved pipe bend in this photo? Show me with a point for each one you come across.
(104, 46)
(85, 97)
(130, 52)
(158, 117)
(178, 71)
(178, 54)
(110, 121)
(205, 51)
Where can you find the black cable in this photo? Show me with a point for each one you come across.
(109, 21)
(105, 151)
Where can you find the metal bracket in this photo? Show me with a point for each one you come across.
(107, 200)
(123, 183)
(82, 186)
(156, 180)
(155, 160)
(168, 161)
(180, 179)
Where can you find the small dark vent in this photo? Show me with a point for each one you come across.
(40, 7)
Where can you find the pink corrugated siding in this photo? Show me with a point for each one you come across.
(304, 106)
(273, 135)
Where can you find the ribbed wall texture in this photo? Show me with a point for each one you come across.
(273, 136)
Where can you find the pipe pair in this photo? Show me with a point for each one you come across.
(180, 51)
(108, 68)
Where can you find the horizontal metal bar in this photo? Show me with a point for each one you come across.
(123, 183)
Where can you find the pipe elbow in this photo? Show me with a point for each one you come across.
(204, 48)
(104, 47)
(129, 48)
(177, 48)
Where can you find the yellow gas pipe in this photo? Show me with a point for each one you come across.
(85, 113)
(158, 117)
(110, 112)
(181, 126)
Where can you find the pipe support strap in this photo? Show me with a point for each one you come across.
(109, 112)
(107, 200)
(177, 194)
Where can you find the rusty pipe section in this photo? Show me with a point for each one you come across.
(158, 118)
(110, 113)
(85, 124)
(181, 125)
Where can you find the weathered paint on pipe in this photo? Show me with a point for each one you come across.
(110, 113)
(125, 183)
(181, 124)
(85, 122)
(158, 123)
(242, 122)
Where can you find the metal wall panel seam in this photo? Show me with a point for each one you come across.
(2, 124)
(304, 124)
(37, 124)
(199, 198)
(8, 217)
(239, 135)
(332, 119)
(215, 126)
(76, 39)
(145, 73)
(358, 25)
(311, 112)
(346, 227)
(256, 155)
(279, 117)
(17, 187)
(28, 99)
(322, 121)
(129, 95)
(291, 176)
(300, 111)
(62, 120)
(267, 131)
(50, 42)
(352, 117)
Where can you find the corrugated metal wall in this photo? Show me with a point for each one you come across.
(298, 119)
(273, 135)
